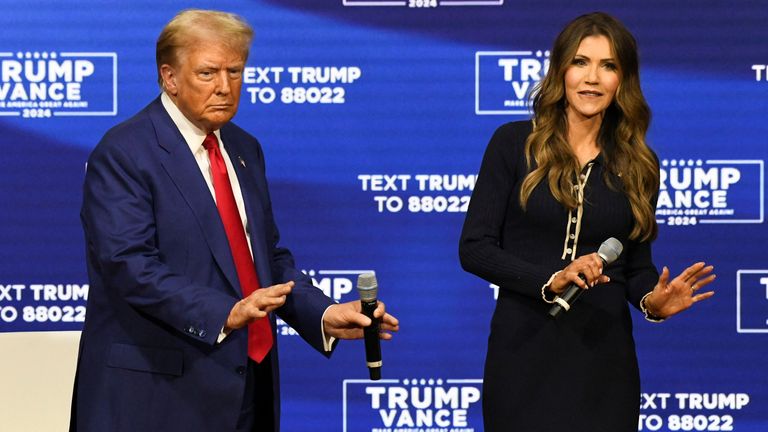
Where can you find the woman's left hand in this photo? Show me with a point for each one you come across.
(671, 297)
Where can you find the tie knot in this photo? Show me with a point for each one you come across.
(210, 141)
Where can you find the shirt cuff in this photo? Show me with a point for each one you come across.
(549, 297)
(327, 340)
(222, 335)
(648, 315)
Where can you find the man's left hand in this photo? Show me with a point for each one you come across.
(346, 321)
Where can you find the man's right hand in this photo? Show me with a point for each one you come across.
(257, 305)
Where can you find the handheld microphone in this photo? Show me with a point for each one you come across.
(368, 288)
(608, 251)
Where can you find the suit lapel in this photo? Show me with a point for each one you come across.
(183, 170)
(253, 206)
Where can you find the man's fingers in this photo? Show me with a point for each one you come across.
(390, 322)
(386, 319)
(359, 320)
(275, 291)
(260, 303)
(256, 313)
(279, 289)
(389, 327)
(380, 310)
(272, 301)
(271, 307)
(243, 314)
(252, 309)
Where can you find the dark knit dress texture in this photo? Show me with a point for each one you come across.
(578, 372)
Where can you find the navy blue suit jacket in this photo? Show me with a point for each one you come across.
(162, 283)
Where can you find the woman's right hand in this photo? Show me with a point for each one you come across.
(590, 266)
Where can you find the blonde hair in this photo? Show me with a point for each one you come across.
(622, 133)
(191, 25)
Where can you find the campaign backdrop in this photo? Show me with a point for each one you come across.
(374, 116)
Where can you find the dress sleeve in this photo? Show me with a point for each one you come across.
(640, 271)
(480, 248)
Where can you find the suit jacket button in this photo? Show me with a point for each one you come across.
(202, 333)
(240, 370)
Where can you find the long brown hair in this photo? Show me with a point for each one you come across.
(622, 133)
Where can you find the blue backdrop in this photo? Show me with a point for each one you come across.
(383, 109)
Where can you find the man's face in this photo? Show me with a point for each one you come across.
(205, 85)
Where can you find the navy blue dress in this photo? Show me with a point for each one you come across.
(579, 372)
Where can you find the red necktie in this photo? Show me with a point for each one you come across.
(259, 331)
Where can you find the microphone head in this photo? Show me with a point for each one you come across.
(367, 286)
(610, 250)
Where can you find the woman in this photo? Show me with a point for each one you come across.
(550, 191)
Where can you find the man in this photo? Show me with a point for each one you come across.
(183, 261)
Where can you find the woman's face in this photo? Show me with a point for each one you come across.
(591, 79)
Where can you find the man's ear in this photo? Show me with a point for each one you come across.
(168, 74)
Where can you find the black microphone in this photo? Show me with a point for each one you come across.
(368, 288)
(608, 251)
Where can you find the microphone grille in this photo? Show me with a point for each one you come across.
(367, 286)
(366, 280)
(610, 250)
